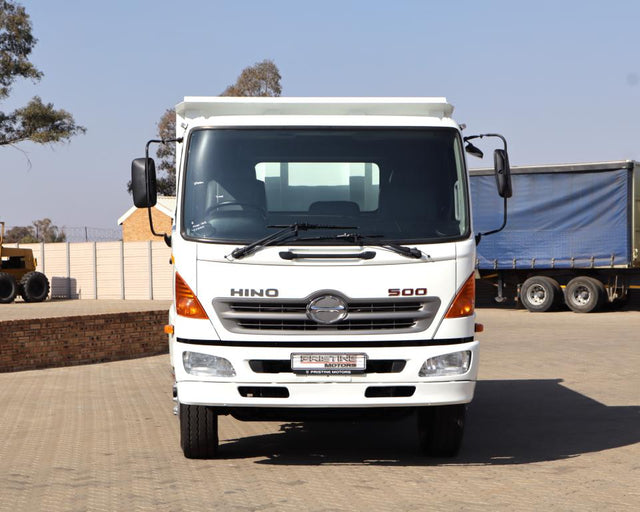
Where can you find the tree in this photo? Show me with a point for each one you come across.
(38, 122)
(166, 154)
(42, 230)
(21, 234)
(261, 79)
(48, 232)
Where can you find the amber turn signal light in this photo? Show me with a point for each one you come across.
(187, 304)
(464, 303)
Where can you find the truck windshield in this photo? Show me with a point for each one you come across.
(401, 185)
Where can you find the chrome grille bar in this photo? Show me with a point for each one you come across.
(365, 316)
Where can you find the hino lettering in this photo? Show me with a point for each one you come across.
(331, 206)
(246, 292)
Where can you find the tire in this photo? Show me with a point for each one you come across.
(584, 294)
(440, 429)
(198, 431)
(34, 287)
(8, 288)
(540, 293)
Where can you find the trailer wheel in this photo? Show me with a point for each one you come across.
(198, 431)
(540, 293)
(440, 429)
(8, 288)
(34, 287)
(584, 294)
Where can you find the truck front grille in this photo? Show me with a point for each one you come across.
(289, 317)
(306, 325)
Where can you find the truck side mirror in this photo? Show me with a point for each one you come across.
(503, 172)
(473, 150)
(143, 182)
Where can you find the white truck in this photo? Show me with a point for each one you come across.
(324, 263)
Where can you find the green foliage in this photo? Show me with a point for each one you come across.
(37, 121)
(42, 230)
(16, 43)
(261, 79)
(166, 154)
(21, 234)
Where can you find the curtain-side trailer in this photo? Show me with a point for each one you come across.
(573, 235)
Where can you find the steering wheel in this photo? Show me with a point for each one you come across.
(209, 212)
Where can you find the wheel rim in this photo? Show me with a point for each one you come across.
(581, 295)
(536, 295)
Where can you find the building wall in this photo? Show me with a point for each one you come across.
(136, 227)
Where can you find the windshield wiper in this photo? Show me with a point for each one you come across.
(287, 232)
(356, 238)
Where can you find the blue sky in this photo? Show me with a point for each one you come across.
(560, 79)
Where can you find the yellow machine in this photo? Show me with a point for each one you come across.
(18, 275)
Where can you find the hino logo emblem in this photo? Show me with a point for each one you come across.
(327, 309)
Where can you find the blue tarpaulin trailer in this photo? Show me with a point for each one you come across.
(573, 227)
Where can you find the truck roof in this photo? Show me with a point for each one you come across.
(210, 106)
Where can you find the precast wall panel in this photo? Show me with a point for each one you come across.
(57, 270)
(109, 257)
(82, 270)
(137, 271)
(162, 271)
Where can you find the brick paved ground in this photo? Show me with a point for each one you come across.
(555, 426)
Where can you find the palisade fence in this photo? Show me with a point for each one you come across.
(105, 270)
(82, 233)
(89, 234)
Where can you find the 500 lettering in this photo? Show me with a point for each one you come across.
(407, 292)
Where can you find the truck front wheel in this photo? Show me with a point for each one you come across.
(584, 294)
(440, 429)
(540, 293)
(198, 431)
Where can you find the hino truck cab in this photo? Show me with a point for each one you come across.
(324, 260)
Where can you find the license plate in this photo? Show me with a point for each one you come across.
(328, 364)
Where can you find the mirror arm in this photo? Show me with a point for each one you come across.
(504, 220)
(471, 137)
(165, 236)
(504, 224)
(504, 141)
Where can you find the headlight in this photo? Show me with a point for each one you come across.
(456, 363)
(206, 365)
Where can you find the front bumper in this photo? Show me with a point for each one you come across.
(288, 390)
(326, 395)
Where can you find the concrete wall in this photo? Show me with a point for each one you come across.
(106, 270)
(51, 342)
